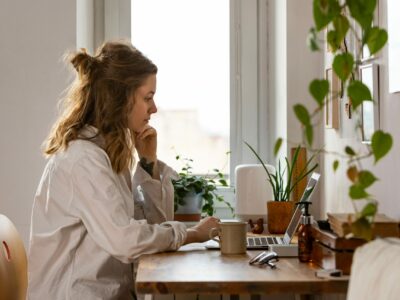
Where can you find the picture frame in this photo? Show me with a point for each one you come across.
(332, 101)
(370, 109)
(393, 23)
(365, 54)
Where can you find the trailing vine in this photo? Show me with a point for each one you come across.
(344, 19)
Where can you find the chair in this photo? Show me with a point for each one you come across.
(13, 262)
(375, 271)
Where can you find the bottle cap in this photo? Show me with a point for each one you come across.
(306, 218)
(305, 204)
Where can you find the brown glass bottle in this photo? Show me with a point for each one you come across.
(305, 241)
(305, 238)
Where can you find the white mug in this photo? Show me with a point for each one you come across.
(232, 237)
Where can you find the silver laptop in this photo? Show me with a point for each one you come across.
(266, 242)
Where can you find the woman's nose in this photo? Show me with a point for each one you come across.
(153, 108)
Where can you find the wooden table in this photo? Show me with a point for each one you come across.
(195, 270)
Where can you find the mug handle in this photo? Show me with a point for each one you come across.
(212, 233)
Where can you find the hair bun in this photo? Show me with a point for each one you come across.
(82, 62)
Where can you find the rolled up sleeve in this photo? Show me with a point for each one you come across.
(100, 201)
(156, 197)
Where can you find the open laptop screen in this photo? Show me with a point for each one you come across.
(294, 222)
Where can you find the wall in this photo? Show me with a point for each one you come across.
(292, 66)
(302, 67)
(387, 189)
(34, 36)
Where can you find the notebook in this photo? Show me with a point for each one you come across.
(277, 242)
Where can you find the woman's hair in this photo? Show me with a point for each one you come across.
(100, 97)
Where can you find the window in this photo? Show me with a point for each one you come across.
(189, 42)
(236, 31)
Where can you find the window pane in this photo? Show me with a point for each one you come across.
(189, 42)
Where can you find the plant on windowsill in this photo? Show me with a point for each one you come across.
(283, 183)
(337, 18)
(195, 195)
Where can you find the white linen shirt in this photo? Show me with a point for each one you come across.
(89, 224)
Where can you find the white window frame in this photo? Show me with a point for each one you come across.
(249, 103)
(249, 81)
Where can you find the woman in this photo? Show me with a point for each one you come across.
(90, 217)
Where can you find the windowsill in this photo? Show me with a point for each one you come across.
(228, 193)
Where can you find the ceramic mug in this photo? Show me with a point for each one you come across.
(232, 237)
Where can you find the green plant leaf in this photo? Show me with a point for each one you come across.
(369, 210)
(381, 143)
(376, 38)
(361, 228)
(206, 186)
(277, 146)
(303, 172)
(319, 89)
(208, 196)
(289, 168)
(349, 151)
(343, 65)
(357, 192)
(270, 179)
(208, 209)
(358, 92)
(362, 11)
(366, 178)
(302, 114)
(341, 24)
(312, 40)
(335, 165)
(223, 182)
(324, 11)
(333, 40)
(309, 134)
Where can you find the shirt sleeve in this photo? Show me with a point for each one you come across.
(154, 198)
(100, 201)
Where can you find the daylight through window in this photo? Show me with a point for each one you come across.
(189, 42)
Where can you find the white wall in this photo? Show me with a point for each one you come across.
(292, 66)
(303, 66)
(387, 189)
(34, 36)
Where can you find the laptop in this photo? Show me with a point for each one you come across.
(277, 242)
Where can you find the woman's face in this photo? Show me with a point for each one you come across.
(144, 105)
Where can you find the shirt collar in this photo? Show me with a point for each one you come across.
(91, 133)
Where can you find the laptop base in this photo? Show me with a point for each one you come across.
(285, 250)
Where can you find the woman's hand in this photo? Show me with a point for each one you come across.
(146, 143)
(146, 146)
(200, 232)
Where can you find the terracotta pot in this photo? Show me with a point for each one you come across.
(279, 215)
(187, 217)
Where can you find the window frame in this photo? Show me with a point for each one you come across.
(249, 103)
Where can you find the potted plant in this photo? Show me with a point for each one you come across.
(195, 195)
(283, 183)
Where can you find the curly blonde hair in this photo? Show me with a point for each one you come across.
(99, 96)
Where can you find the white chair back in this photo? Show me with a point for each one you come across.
(13, 262)
(375, 271)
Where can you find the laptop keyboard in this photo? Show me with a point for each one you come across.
(274, 240)
(263, 241)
